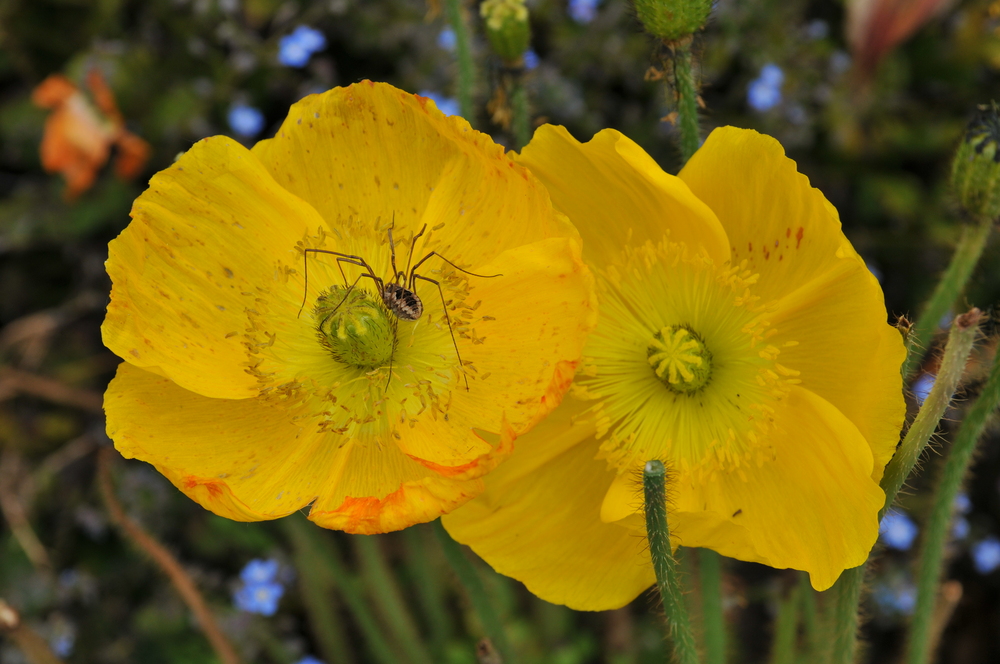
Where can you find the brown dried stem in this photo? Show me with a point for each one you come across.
(28, 640)
(14, 382)
(165, 560)
(12, 506)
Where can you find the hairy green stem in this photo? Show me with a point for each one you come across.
(473, 586)
(429, 586)
(387, 596)
(963, 261)
(963, 333)
(786, 625)
(317, 586)
(654, 480)
(521, 121)
(814, 644)
(936, 531)
(847, 590)
(455, 13)
(710, 572)
(305, 535)
(687, 98)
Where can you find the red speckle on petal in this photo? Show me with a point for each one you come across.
(798, 237)
(750, 246)
(788, 232)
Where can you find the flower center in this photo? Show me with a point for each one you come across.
(355, 327)
(680, 359)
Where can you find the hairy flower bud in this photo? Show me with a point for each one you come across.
(671, 20)
(975, 173)
(507, 28)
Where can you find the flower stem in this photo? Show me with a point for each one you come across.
(306, 536)
(936, 532)
(455, 13)
(387, 596)
(473, 586)
(317, 585)
(428, 583)
(521, 122)
(847, 590)
(654, 486)
(163, 558)
(956, 353)
(687, 98)
(966, 256)
(810, 619)
(787, 622)
(846, 600)
(710, 572)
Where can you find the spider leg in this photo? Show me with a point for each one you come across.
(444, 307)
(392, 250)
(349, 289)
(413, 245)
(354, 260)
(392, 355)
(414, 275)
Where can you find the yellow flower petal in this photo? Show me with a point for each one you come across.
(198, 253)
(274, 468)
(539, 520)
(616, 194)
(339, 152)
(785, 229)
(812, 506)
(861, 378)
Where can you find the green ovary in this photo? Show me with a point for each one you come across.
(355, 327)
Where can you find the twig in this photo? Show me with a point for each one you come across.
(163, 558)
(14, 382)
(28, 640)
(15, 513)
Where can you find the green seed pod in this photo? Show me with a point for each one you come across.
(507, 28)
(671, 20)
(975, 173)
(357, 329)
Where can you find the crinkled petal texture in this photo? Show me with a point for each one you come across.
(767, 378)
(226, 306)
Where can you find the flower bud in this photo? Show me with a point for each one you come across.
(975, 173)
(507, 28)
(671, 20)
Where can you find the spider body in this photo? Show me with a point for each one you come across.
(398, 294)
(404, 304)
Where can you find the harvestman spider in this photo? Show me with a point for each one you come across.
(400, 294)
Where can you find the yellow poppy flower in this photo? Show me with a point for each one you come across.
(742, 341)
(257, 393)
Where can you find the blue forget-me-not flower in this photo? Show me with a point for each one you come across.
(986, 555)
(296, 49)
(245, 121)
(530, 59)
(922, 387)
(583, 11)
(446, 39)
(764, 92)
(260, 591)
(897, 530)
